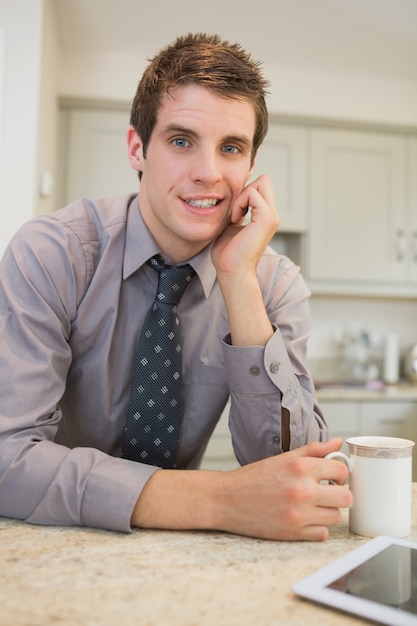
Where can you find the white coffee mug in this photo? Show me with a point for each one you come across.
(380, 479)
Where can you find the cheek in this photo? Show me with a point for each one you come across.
(240, 178)
(238, 184)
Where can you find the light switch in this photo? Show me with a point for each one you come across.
(46, 184)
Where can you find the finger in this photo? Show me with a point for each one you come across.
(240, 207)
(258, 195)
(318, 448)
(262, 207)
(314, 533)
(319, 529)
(336, 472)
(263, 185)
(334, 496)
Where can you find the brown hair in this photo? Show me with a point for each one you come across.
(207, 60)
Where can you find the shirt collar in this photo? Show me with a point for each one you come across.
(141, 246)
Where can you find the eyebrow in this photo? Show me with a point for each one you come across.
(174, 128)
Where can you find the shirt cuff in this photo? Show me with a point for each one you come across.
(112, 492)
(257, 368)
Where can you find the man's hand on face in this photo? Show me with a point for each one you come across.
(240, 246)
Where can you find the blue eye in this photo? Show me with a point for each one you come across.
(230, 149)
(180, 142)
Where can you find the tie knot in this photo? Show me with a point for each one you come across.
(173, 280)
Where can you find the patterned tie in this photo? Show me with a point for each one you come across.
(154, 412)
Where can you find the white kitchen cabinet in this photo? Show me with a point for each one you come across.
(219, 454)
(283, 156)
(359, 232)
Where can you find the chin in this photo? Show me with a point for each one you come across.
(203, 235)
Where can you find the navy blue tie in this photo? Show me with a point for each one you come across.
(154, 412)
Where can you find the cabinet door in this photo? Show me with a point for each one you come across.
(283, 156)
(342, 419)
(96, 162)
(412, 228)
(357, 206)
(219, 454)
(391, 419)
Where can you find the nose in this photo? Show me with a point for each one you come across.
(206, 167)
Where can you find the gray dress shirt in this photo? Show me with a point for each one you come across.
(74, 292)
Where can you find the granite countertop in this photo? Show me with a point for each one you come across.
(80, 576)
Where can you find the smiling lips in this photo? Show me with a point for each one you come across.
(204, 203)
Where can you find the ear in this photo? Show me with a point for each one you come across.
(135, 149)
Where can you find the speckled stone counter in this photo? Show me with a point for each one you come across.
(78, 576)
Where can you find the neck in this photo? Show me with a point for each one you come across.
(174, 250)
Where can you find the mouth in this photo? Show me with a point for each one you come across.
(203, 203)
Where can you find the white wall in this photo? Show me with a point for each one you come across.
(46, 164)
(21, 22)
(2, 87)
(293, 92)
(332, 315)
(341, 96)
(94, 75)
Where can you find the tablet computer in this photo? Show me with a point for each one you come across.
(376, 581)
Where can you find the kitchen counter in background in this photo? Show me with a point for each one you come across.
(401, 391)
(87, 577)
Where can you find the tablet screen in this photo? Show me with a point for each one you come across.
(389, 578)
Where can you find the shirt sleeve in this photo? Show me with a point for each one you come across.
(265, 380)
(40, 480)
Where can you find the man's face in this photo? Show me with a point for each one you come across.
(197, 162)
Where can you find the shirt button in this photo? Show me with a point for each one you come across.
(276, 440)
(274, 367)
(254, 370)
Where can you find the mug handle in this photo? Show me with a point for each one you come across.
(341, 457)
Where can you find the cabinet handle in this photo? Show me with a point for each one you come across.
(415, 246)
(401, 245)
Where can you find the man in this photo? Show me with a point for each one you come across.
(75, 290)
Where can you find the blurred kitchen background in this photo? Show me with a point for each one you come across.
(342, 146)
